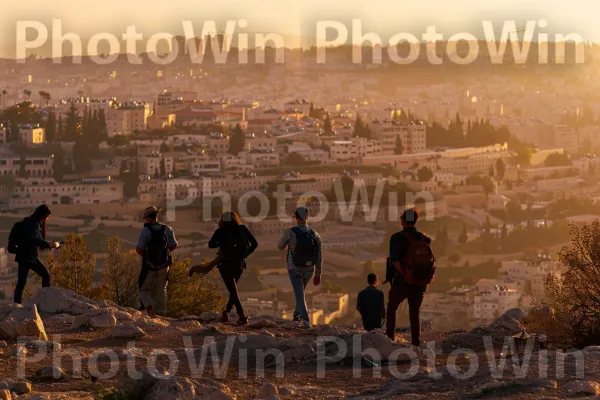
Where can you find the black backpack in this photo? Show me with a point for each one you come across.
(156, 253)
(306, 252)
(15, 238)
(235, 245)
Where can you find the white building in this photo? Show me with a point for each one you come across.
(490, 304)
(127, 118)
(567, 138)
(412, 136)
(34, 165)
(534, 272)
(31, 135)
(151, 164)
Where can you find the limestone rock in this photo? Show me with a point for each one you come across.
(209, 316)
(292, 325)
(101, 319)
(285, 391)
(50, 374)
(186, 325)
(509, 319)
(127, 332)
(17, 321)
(263, 323)
(583, 387)
(22, 387)
(269, 390)
(377, 347)
(53, 300)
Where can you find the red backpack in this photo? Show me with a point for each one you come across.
(418, 266)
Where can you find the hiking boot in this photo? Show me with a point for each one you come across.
(151, 312)
(306, 324)
(243, 320)
(296, 319)
(224, 317)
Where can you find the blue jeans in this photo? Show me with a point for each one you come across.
(299, 281)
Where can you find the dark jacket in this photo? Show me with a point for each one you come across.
(32, 241)
(371, 306)
(217, 239)
(399, 246)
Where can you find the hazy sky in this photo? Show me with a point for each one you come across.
(296, 18)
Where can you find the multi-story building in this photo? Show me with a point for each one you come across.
(152, 164)
(167, 97)
(127, 118)
(567, 138)
(205, 167)
(265, 307)
(31, 135)
(30, 193)
(218, 144)
(262, 158)
(334, 305)
(34, 165)
(255, 142)
(84, 105)
(412, 136)
(534, 273)
(488, 305)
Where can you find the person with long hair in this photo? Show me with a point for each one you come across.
(235, 243)
(32, 236)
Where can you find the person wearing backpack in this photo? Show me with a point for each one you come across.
(304, 258)
(24, 240)
(155, 244)
(411, 267)
(235, 243)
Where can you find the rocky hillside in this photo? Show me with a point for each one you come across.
(64, 346)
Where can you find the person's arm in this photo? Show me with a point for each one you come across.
(358, 302)
(319, 266)
(34, 234)
(171, 241)
(141, 244)
(284, 240)
(214, 242)
(251, 239)
(396, 248)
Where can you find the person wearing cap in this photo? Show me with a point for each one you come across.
(300, 275)
(153, 280)
(33, 236)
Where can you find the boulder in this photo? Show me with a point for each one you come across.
(292, 325)
(101, 319)
(43, 346)
(269, 390)
(127, 332)
(17, 321)
(208, 316)
(377, 347)
(50, 374)
(22, 387)
(263, 324)
(511, 320)
(588, 388)
(53, 300)
(7, 384)
(186, 325)
(285, 391)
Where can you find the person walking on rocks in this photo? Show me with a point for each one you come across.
(235, 243)
(304, 258)
(411, 267)
(155, 244)
(25, 238)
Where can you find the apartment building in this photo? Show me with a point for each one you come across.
(262, 158)
(413, 136)
(151, 164)
(488, 305)
(334, 305)
(218, 144)
(533, 272)
(84, 105)
(31, 135)
(34, 165)
(274, 226)
(236, 163)
(452, 309)
(205, 167)
(315, 155)
(30, 193)
(567, 138)
(165, 98)
(127, 118)
(269, 308)
(300, 106)
(255, 142)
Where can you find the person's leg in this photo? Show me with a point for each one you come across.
(395, 297)
(22, 272)
(161, 291)
(415, 299)
(39, 268)
(229, 281)
(234, 294)
(301, 301)
(146, 291)
(298, 286)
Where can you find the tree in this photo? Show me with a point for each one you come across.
(463, 237)
(50, 127)
(27, 94)
(58, 165)
(237, 141)
(574, 295)
(294, 159)
(500, 170)
(120, 271)
(206, 296)
(424, 174)
(23, 167)
(163, 168)
(73, 266)
(399, 148)
(327, 127)
(131, 181)
(164, 147)
(441, 241)
(557, 160)
(60, 128)
(454, 258)
(72, 124)
(82, 156)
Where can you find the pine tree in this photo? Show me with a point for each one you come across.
(58, 165)
(22, 167)
(60, 128)
(327, 127)
(163, 169)
(359, 127)
(500, 169)
(102, 128)
(50, 127)
(399, 148)
(72, 124)
(237, 141)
